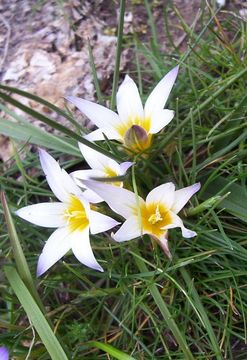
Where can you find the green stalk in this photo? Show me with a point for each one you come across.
(196, 111)
(165, 311)
(35, 316)
(19, 256)
(118, 53)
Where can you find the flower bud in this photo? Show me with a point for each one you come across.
(137, 139)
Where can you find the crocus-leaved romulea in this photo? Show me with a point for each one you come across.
(101, 167)
(154, 216)
(73, 217)
(133, 125)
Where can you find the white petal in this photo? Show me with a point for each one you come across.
(163, 242)
(120, 200)
(158, 97)
(160, 119)
(82, 249)
(129, 103)
(100, 222)
(98, 114)
(130, 229)
(53, 175)
(182, 196)
(162, 194)
(55, 248)
(44, 214)
(69, 184)
(98, 135)
(78, 175)
(94, 158)
(92, 197)
(4, 353)
(177, 222)
(125, 166)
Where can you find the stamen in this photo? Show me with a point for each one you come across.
(154, 218)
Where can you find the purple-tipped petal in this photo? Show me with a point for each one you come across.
(4, 353)
(101, 116)
(125, 166)
(182, 196)
(158, 97)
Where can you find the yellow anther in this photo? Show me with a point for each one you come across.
(154, 218)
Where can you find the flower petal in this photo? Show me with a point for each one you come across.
(98, 114)
(158, 97)
(55, 248)
(98, 135)
(82, 249)
(162, 194)
(92, 197)
(129, 103)
(177, 222)
(85, 175)
(95, 159)
(4, 353)
(182, 196)
(69, 184)
(53, 175)
(120, 200)
(130, 229)
(44, 214)
(159, 119)
(163, 242)
(124, 167)
(100, 222)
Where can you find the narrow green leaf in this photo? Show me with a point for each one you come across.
(34, 135)
(118, 53)
(20, 259)
(111, 350)
(236, 201)
(53, 124)
(198, 109)
(33, 312)
(165, 312)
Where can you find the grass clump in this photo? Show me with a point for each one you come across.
(145, 305)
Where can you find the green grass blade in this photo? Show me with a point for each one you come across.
(20, 259)
(39, 100)
(166, 313)
(203, 313)
(199, 108)
(111, 350)
(235, 203)
(94, 73)
(118, 53)
(53, 124)
(35, 315)
(34, 135)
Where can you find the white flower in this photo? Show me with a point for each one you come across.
(102, 167)
(133, 125)
(72, 216)
(154, 216)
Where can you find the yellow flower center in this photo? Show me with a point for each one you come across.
(111, 173)
(75, 215)
(154, 217)
(136, 143)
